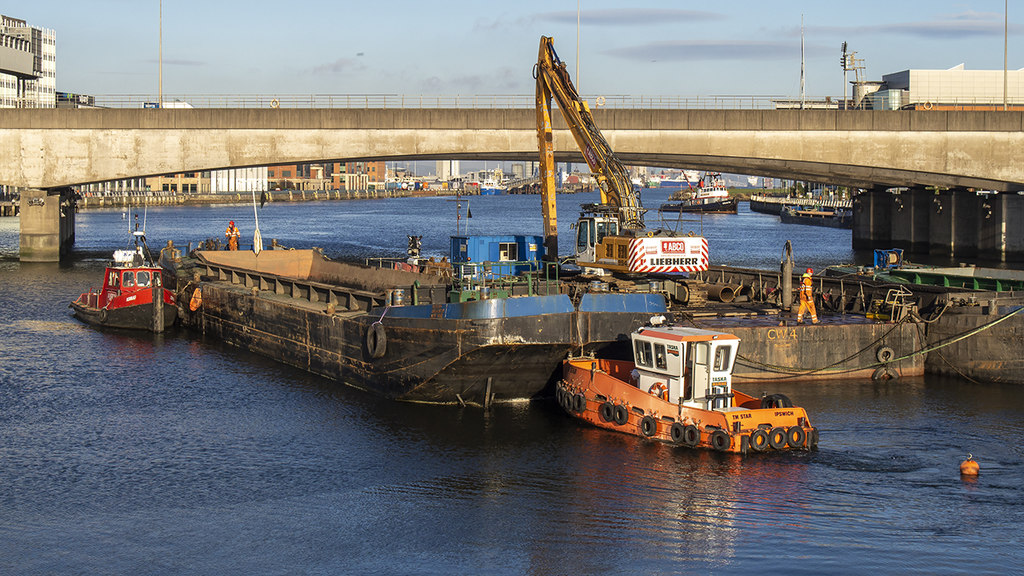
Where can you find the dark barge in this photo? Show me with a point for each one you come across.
(395, 332)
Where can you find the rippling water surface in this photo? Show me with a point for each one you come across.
(129, 453)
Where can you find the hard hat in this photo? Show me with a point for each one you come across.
(232, 222)
(810, 271)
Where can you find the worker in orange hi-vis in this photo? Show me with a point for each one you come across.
(233, 234)
(807, 298)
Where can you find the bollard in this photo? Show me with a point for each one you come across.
(158, 308)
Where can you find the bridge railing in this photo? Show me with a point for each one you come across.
(404, 101)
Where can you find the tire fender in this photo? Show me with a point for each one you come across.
(376, 340)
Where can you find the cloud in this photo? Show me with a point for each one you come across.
(968, 24)
(340, 66)
(629, 17)
(504, 80)
(707, 50)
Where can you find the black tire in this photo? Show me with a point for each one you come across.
(776, 401)
(607, 412)
(796, 437)
(691, 435)
(103, 315)
(676, 432)
(777, 438)
(885, 354)
(759, 440)
(720, 440)
(621, 415)
(579, 403)
(648, 426)
(376, 340)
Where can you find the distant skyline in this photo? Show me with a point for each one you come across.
(466, 47)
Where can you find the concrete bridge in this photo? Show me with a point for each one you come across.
(56, 149)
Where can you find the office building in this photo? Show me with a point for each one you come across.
(28, 65)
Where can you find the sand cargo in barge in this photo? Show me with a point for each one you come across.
(401, 333)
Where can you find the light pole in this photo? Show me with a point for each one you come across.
(160, 58)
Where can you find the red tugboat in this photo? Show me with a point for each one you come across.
(678, 389)
(126, 298)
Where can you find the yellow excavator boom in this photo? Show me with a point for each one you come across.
(614, 183)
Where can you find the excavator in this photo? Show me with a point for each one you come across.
(611, 237)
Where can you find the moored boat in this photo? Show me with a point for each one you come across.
(828, 217)
(678, 390)
(710, 197)
(126, 299)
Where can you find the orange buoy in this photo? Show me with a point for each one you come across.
(969, 467)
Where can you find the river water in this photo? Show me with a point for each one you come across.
(124, 453)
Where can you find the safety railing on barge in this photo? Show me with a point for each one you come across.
(485, 280)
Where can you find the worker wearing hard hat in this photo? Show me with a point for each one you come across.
(233, 234)
(806, 298)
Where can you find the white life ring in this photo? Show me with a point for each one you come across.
(600, 100)
(275, 103)
(927, 106)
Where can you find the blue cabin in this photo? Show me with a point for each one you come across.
(503, 255)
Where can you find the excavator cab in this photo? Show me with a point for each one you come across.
(593, 233)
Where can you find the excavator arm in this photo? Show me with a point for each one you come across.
(616, 189)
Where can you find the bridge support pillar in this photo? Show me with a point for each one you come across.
(953, 223)
(1000, 233)
(47, 224)
(872, 219)
(910, 220)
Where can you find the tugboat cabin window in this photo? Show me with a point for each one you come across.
(723, 355)
(128, 279)
(143, 277)
(659, 357)
(643, 354)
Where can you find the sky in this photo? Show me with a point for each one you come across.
(477, 47)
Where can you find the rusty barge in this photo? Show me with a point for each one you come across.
(396, 332)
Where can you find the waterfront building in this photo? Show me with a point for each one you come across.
(358, 175)
(954, 89)
(235, 180)
(185, 183)
(28, 65)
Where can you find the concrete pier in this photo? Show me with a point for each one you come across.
(872, 219)
(47, 224)
(958, 223)
(996, 229)
(952, 224)
(910, 220)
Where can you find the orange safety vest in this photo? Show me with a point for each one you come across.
(805, 289)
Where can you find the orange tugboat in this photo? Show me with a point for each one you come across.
(678, 389)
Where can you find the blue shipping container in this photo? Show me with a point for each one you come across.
(523, 253)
